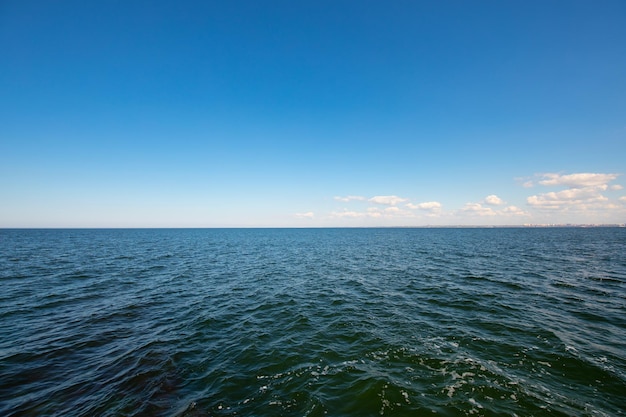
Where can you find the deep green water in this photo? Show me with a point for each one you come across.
(313, 322)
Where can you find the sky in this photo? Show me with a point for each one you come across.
(312, 113)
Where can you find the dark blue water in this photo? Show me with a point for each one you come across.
(313, 322)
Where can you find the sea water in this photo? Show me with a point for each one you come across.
(313, 322)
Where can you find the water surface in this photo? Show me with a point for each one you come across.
(313, 322)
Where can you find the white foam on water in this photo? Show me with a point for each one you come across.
(406, 396)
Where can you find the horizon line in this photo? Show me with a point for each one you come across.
(450, 226)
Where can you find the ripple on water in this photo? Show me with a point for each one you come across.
(456, 322)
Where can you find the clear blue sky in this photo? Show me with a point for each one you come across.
(311, 113)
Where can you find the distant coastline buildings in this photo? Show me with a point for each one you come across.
(574, 225)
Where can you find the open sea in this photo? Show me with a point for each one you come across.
(313, 322)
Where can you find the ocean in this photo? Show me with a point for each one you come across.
(313, 322)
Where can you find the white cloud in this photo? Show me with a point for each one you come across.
(307, 215)
(372, 212)
(432, 208)
(349, 214)
(429, 205)
(389, 212)
(478, 209)
(515, 211)
(576, 198)
(493, 200)
(390, 200)
(579, 180)
(349, 198)
(569, 197)
(583, 193)
(526, 182)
